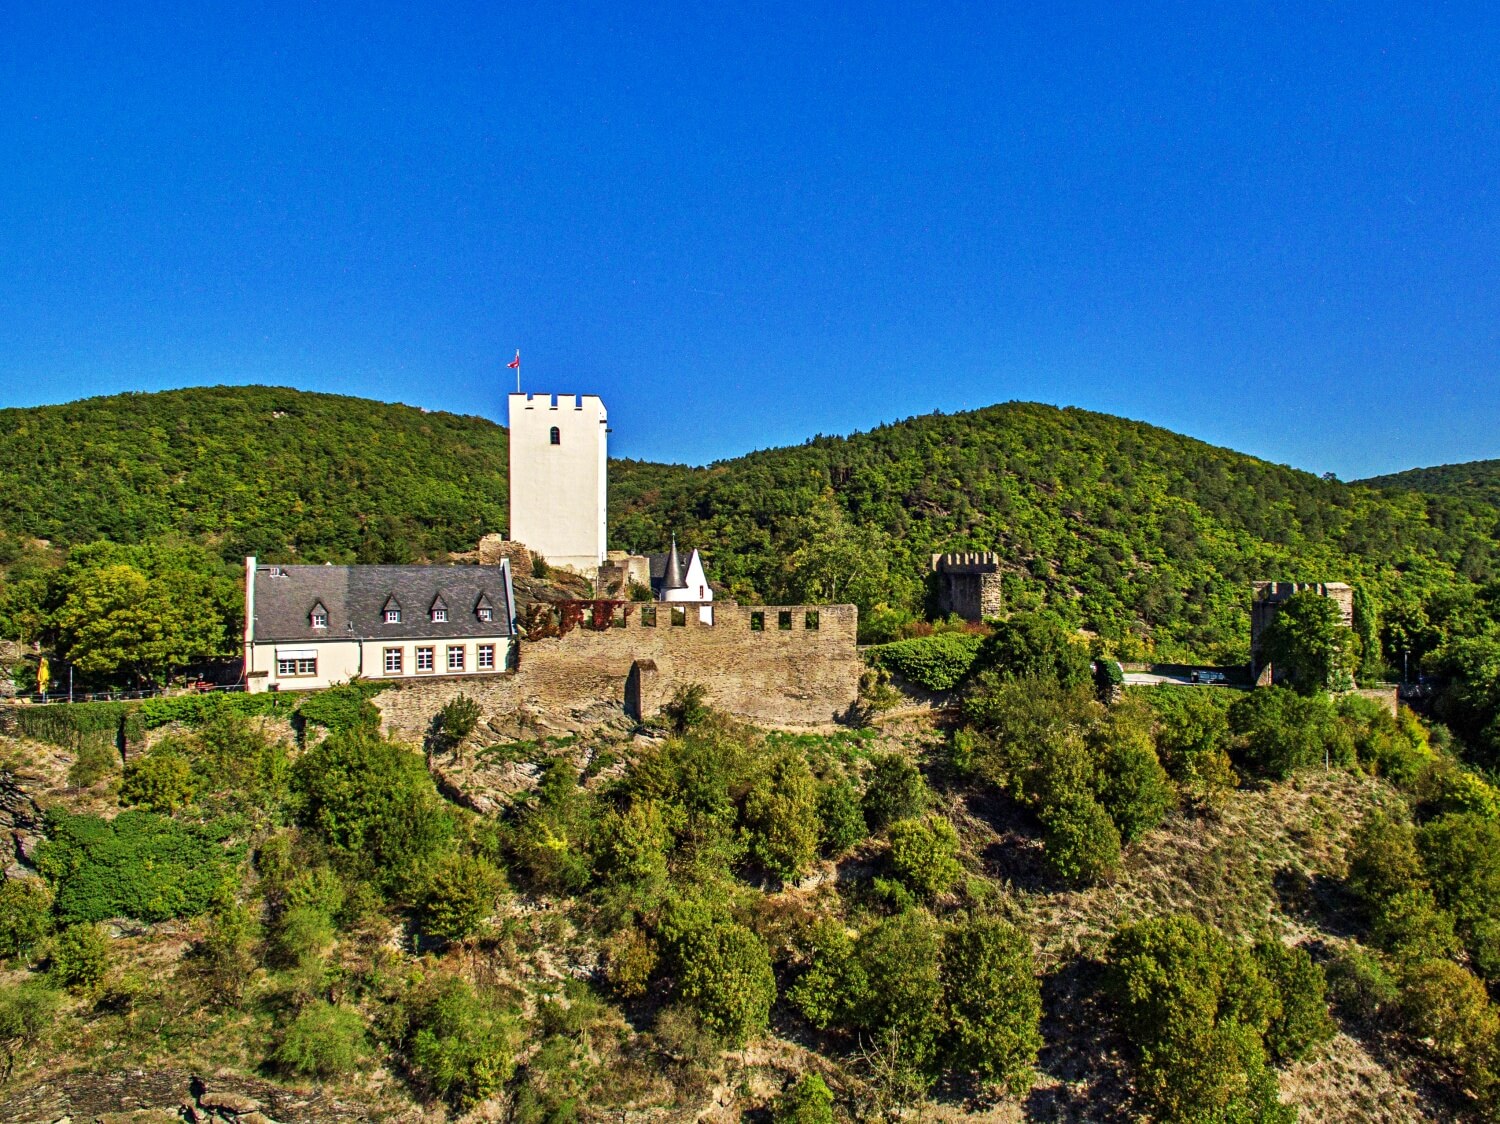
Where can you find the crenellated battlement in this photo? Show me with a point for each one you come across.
(967, 562)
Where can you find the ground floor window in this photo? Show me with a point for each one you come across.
(298, 666)
(424, 659)
(484, 657)
(455, 659)
(393, 661)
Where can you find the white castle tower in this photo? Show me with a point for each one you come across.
(559, 450)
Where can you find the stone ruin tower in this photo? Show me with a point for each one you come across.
(969, 584)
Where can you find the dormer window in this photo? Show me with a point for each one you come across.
(438, 610)
(393, 616)
(391, 611)
(486, 615)
(318, 617)
(483, 609)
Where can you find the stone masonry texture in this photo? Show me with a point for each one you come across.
(795, 676)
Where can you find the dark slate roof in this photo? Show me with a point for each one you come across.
(356, 597)
(659, 564)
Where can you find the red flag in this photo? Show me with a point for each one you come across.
(515, 363)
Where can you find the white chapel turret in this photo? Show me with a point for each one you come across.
(559, 453)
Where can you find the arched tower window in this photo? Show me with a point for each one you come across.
(556, 436)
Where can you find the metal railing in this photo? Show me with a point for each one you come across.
(50, 698)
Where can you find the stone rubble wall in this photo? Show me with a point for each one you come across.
(794, 677)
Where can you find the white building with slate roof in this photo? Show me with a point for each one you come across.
(315, 626)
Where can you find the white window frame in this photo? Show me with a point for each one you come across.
(299, 667)
(396, 657)
(456, 650)
(439, 616)
(431, 653)
(486, 615)
(320, 620)
(484, 657)
(393, 616)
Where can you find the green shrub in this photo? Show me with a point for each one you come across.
(226, 955)
(1133, 786)
(161, 781)
(1383, 859)
(900, 957)
(1193, 740)
(25, 916)
(1035, 646)
(834, 988)
(924, 854)
(629, 961)
(840, 817)
(781, 815)
(936, 663)
(459, 894)
(1410, 926)
(79, 957)
(27, 1011)
(1195, 1008)
(94, 762)
(458, 718)
(302, 936)
(1301, 1021)
(374, 804)
(140, 864)
(1080, 841)
(322, 1041)
(1461, 853)
(896, 791)
(345, 707)
(1449, 1007)
(809, 1101)
(726, 979)
(1282, 731)
(458, 1043)
(992, 1002)
(1360, 985)
(74, 725)
(554, 837)
(198, 710)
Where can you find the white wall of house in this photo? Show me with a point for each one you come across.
(558, 492)
(285, 667)
(696, 588)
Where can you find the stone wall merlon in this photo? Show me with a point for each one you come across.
(970, 562)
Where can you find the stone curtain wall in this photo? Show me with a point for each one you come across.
(773, 676)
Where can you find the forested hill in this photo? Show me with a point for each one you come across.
(254, 470)
(1129, 530)
(1473, 480)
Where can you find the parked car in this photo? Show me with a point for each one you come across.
(1209, 677)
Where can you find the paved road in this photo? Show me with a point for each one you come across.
(1147, 679)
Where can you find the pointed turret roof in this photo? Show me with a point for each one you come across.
(674, 577)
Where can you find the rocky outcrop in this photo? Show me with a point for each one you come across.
(20, 820)
(175, 1094)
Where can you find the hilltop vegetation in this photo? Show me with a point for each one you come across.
(1471, 480)
(1147, 538)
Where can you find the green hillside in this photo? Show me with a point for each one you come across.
(1472, 480)
(1144, 536)
(282, 473)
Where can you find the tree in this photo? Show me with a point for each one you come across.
(901, 961)
(323, 1041)
(725, 978)
(834, 988)
(1196, 1009)
(140, 611)
(1308, 642)
(924, 854)
(460, 1043)
(374, 803)
(895, 791)
(838, 561)
(226, 955)
(1192, 742)
(781, 814)
(1281, 732)
(457, 719)
(1080, 841)
(992, 1003)
(840, 818)
(459, 894)
(25, 915)
(1133, 786)
(1035, 646)
(1384, 860)
(1301, 1020)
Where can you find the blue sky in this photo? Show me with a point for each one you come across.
(1271, 226)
